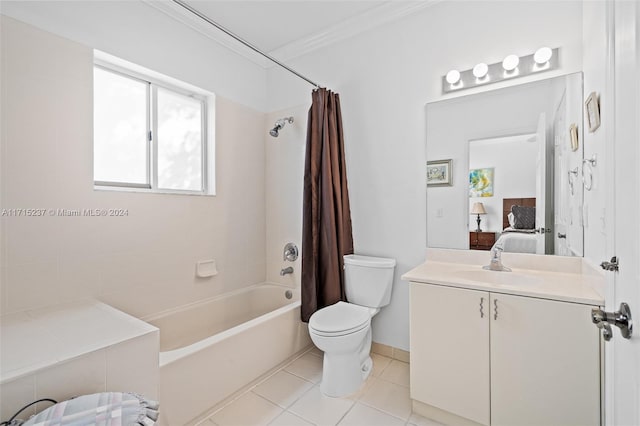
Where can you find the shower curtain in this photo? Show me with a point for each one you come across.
(326, 222)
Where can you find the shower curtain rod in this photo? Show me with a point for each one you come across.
(241, 40)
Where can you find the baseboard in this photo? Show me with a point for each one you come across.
(390, 351)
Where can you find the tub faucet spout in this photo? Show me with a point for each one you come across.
(287, 270)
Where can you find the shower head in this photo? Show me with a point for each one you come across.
(279, 125)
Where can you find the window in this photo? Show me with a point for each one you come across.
(148, 135)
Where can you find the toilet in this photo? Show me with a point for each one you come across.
(343, 330)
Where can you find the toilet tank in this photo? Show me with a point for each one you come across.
(368, 280)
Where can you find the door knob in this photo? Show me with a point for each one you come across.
(562, 235)
(620, 318)
(607, 334)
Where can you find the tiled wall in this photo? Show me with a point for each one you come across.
(142, 263)
(74, 349)
(125, 367)
(284, 174)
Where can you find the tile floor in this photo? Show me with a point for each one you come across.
(291, 397)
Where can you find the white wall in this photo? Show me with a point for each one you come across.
(514, 163)
(385, 77)
(567, 206)
(142, 263)
(140, 33)
(598, 212)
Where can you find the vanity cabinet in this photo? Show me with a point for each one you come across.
(499, 359)
(449, 339)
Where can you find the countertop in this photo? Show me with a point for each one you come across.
(37, 339)
(554, 278)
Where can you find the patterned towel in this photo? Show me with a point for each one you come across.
(103, 409)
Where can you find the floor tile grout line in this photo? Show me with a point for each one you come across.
(269, 401)
(288, 406)
(297, 375)
(250, 389)
(345, 414)
(298, 399)
(282, 410)
(379, 376)
(295, 400)
(386, 412)
(386, 366)
(299, 416)
(314, 384)
(380, 410)
(300, 377)
(394, 383)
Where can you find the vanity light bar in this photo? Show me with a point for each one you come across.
(544, 59)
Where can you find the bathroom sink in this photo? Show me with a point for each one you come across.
(496, 277)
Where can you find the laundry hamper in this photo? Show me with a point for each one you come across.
(102, 409)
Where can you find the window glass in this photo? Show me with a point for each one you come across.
(179, 141)
(120, 129)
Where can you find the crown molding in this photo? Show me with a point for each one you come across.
(185, 17)
(385, 13)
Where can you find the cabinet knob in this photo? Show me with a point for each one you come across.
(481, 307)
(495, 309)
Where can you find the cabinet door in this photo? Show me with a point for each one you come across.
(545, 363)
(450, 349)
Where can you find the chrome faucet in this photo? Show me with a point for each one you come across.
(496, 260)
(287, 270)
(290, 252)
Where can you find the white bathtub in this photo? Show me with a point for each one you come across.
(211, 349)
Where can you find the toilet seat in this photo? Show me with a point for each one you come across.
(339, 319)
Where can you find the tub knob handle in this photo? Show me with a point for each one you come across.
(290, 252)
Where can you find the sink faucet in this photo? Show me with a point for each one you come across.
(496, 260)
(287, 270)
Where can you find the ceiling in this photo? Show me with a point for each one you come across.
(270, 25)
(287, 28)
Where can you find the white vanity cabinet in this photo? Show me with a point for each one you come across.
(501, 359)
(449, 339)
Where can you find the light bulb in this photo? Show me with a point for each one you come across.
(453, 76)
(542, 55)
(480, 70)
(510, 63)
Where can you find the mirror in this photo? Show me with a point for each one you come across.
(517, 146)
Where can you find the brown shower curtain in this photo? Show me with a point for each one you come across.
(326, 221)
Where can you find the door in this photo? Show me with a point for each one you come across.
(541, 170)
(622, 366)
(545, 363)
(450, 349)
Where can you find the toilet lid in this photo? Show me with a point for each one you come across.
(339, 318)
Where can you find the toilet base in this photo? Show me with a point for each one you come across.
(343, 374)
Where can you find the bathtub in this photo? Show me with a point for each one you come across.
(213, 348)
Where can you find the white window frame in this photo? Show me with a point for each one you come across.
(152, 82)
